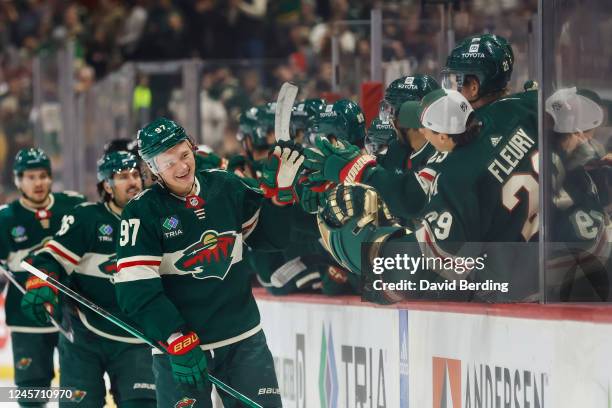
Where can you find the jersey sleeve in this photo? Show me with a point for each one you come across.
(138, 284)
(405, 194)
(74, 198)
(265, 226)
(64, 251)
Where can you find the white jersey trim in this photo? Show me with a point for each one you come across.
(249, 226)
(130, 340)
(135, 273)
(25, 329)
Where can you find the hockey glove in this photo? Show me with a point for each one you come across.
(188, 360)
(313, 195)
(209, 160)
(40, 300)
(280, 172)
(338, 163)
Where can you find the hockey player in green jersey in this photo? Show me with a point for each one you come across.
(304, 265)
(578, 235)
(380, 135)
(343, 123)
(25, 225)
(484, 189)
(180, 275)
(409, 151)
(301, 119)
(83, 253)
(397, 173)
(256, 135)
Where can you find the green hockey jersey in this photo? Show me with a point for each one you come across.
(180, 260)
(399, 178)
(83, 254)
(579, 230)
(23, 230)
(486, 193)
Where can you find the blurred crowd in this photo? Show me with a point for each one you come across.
(275, 41)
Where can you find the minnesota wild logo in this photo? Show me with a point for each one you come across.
(185, 403)
(210, 257)
(23, 363)
(78, 395)
(109, 267)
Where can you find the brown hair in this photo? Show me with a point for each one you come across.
(472, 129)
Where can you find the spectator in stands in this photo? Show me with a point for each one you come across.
(132, 28)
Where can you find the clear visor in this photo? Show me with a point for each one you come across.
(261, 133)
(386, 111)
(452, 80)
(168, 159)
(310, 135)
(376, 148)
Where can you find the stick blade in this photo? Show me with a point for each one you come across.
(284, 105)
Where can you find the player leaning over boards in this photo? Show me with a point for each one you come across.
(484, 189)
(83, 252)
(180, 275)
(394, 166)
(25, 224)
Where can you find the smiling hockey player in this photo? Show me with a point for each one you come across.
(180, 275)
(83, 250)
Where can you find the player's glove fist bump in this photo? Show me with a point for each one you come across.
(337, 162)
(281, 171)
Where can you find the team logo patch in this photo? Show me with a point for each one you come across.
(557, 106)
(19, 234)
(109, 267)
(105, 233)
(172, 227)
(210, 257)
(78, 395)
(23, 363)
(463, 106)
(194, 202)
(185, 403)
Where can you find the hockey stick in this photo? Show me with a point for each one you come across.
(130, 329)
(68, 334)
(282, 114)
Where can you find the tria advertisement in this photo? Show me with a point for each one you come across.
(349, 356)
(334, 358)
